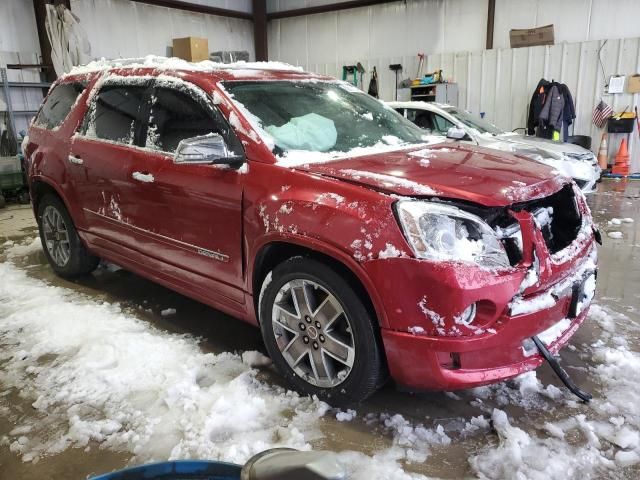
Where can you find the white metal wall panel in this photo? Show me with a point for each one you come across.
(25, 99)
(381, 31)
(121, 28)
(456, 25)
(573, 20)
(19, 44)
(18, 27)
(614, 19)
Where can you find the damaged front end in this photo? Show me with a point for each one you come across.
(483, 284)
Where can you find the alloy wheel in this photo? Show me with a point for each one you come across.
(313, 333)
(56, 236)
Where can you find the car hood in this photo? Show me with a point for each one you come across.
(451, 171)
(549, 145)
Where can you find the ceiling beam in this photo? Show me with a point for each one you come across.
(331, 7)
(194, 7)
(260, 30)
(491, 17)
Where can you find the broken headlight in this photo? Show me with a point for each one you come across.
(443, 232)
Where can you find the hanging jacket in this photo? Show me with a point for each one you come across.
(552, 110)
(373, 84)
(535, 106)
(568, 113)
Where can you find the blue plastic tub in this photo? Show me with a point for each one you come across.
(179, 470)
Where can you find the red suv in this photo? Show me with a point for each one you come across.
(362, 248)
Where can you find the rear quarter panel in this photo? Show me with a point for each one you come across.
(48, 150)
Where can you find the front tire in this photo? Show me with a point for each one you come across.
(62, 246)
(319, 334)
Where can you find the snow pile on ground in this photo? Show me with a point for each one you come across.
(97, 374)
(522, 456)
(619, 221)
(255, 359)
(27, 248)
(415, 439)
(346, 416)
(595, 444)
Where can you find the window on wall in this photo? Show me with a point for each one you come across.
(175, 115)
(58, 104)
(115, 113)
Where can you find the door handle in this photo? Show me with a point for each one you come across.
(76, 160)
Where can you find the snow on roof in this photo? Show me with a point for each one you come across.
(165, 63)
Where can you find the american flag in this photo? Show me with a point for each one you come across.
(601, 114)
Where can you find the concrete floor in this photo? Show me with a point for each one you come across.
(618, 287)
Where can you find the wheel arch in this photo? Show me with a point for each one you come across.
(40, 187)
(275, 252)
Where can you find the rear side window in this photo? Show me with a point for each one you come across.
(114, 114)
(422, 118)
(58, 104)
(175, 116)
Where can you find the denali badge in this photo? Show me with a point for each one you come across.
(215, 255)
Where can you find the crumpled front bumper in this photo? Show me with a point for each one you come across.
(428, 347)
(425, 362)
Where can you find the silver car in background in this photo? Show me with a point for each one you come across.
(572, 160)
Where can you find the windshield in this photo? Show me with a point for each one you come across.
(322, 116)
(474, 122)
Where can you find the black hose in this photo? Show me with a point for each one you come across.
(562, 374)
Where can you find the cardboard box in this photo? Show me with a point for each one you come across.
(192, 49)
(633, 84)
(531, 37)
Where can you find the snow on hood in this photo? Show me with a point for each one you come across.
(570, 160)
(558, 148)
(454, 171)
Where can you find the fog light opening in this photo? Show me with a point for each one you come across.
(455, 361)
(467, 317)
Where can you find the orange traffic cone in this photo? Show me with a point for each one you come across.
(603, 156)
(621, 166)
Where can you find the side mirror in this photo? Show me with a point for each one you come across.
(206, 149)
(455, 133)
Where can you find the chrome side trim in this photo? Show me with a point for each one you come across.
(221, 257)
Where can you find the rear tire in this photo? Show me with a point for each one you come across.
(62, 246)
(319, 334)
(3, 202)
